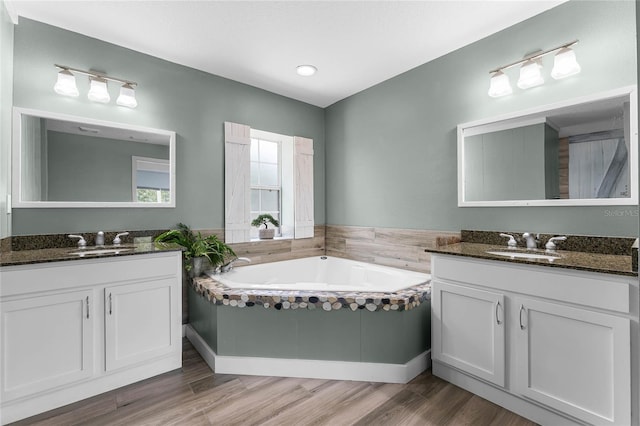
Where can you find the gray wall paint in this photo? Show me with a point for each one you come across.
(6, 101)
(391, 149)
(104, 165)
(192, 103)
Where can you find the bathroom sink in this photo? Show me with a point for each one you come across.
(90, 252)
(523, 255)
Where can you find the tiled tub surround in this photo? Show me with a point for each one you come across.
(402, 300)
(588, 253)
(368, 336)
(400, 248)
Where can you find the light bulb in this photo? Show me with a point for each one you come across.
(98, 91)
(565, 64)
(127, 96)
(66, 84)
(530, 75)
(499, 85)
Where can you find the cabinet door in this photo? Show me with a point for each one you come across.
(574, 360)
(139, 322)
(468, 330)
(47, 342)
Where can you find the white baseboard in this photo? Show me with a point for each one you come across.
(312, 369)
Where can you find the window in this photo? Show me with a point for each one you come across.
(150, 180)
(266, 180)
(267, 173)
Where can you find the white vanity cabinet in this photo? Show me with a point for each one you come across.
(551, 344)
(138, 322)
(473, 341)
(47, 342)
(73, 329)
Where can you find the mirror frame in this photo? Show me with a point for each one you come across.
(16, 184)
(531, 115)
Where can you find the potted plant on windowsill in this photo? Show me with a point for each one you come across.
(265, 233)
(200, 252)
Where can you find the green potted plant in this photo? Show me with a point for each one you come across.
(200, 251)
(265, 233)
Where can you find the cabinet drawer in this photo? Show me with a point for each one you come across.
(602, 291)
(88, 272)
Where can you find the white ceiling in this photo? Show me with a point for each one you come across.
(354, 44)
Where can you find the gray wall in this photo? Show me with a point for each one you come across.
(6, 98)
(104, 166)
(194, 104)
(391, 149)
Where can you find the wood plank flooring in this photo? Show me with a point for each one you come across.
(196, 396)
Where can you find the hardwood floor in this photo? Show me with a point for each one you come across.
(196, 396)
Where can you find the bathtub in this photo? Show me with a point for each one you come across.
(319, 317)
(321, 273)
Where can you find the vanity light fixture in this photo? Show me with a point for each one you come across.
(499, 85)
(127, 96)
(66, 84)
(565, 65)
(98, 91)
(530, 75)
(306, 70)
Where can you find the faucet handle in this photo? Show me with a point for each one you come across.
(117, 239)
(81, 240)
(511, 242)
(551, 243)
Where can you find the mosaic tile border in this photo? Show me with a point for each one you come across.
(399, 301)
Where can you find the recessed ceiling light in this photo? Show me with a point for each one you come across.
(306, 70)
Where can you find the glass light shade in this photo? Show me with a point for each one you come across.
(499, 85)
(98, 91)
(127, 96)
(565, 64)
(66, 84)
(530, 75)
(306, 70)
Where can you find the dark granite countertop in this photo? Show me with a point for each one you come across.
(25, 257)
(592, 262)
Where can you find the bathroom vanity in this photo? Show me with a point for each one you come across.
(76, 328)
(547, 341)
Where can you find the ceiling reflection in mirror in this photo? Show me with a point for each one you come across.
(575, 153)
(63, 161)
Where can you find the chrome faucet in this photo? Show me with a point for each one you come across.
(532, 242)
(100, 238)
(512, 241)
(117, 240)
(229, 266)
(82, 243)
(551, 244)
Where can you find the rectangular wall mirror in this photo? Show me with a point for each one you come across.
(67, 161)
(581, 152)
